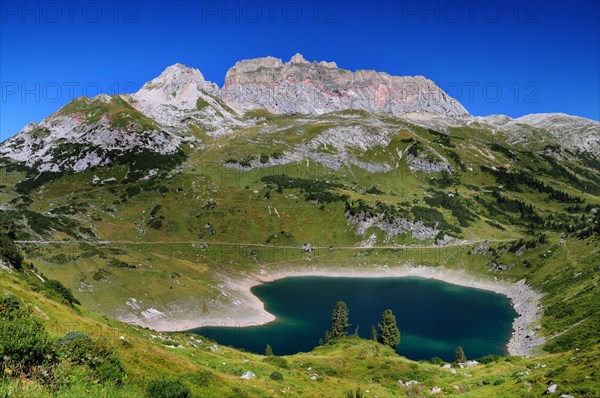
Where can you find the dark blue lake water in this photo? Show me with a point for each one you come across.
(433, 317)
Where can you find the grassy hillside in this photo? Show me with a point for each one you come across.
(137, 357)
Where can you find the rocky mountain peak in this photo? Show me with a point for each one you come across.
(299, 86)
(298, 59)
(253, 65)
(174, 81)
(169, 97)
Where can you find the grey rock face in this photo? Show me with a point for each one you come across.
(299, 86)
(393, 227)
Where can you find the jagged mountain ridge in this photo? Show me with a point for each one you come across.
(299, 86)
(174, 107)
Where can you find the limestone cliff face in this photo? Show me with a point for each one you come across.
(299, 86)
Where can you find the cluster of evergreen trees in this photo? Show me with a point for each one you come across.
(9, 252)
(512, 180)
(388, 334)
(314, 190)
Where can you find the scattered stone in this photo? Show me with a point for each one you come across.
(436, 390)
(307, 247)
(314, 377)
(551, 389)
(412, 382)
(247, 375)
(566, 396)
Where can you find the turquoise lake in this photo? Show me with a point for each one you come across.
(433, 317)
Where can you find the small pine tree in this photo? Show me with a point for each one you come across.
(373, 333)
(339, 320)
(357, 394)
(388, 329)
(459, 355)
(327, 337)
(268, 351)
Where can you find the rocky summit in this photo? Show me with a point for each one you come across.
(299, 86)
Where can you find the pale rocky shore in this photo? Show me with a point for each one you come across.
(248, 310)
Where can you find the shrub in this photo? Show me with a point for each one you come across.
(277, 361)
(80, 349)
(201, 378)
(277, 376)
(10, 252)
(77, 347)
(58, 288)
(132, 190)
(489, 359)
(115, 263)
(437, 361)
(167, 389)
(23, 338)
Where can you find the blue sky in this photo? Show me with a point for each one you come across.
(509, 57)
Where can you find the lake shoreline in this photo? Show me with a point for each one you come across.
(524, 300)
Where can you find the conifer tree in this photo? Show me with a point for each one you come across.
(339, 320)
(373, 333)
(459, 355)
(268, 351)
(388, 330)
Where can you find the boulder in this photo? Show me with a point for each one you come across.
(551, 389)
(247, 375)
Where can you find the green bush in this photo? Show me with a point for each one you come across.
(277, 376)
(9, 307)
(277, 361)
(81, 349)
(489, 359)
(437, 361)
(58, 288)
(201, 378)
(132, 190)
(23, 338)
(10, 252)
(167, 389)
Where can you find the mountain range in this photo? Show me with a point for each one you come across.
(162, 115)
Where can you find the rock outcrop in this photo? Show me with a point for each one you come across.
(88, 133)
(299, 86)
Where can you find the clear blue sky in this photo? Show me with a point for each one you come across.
(509, 57)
